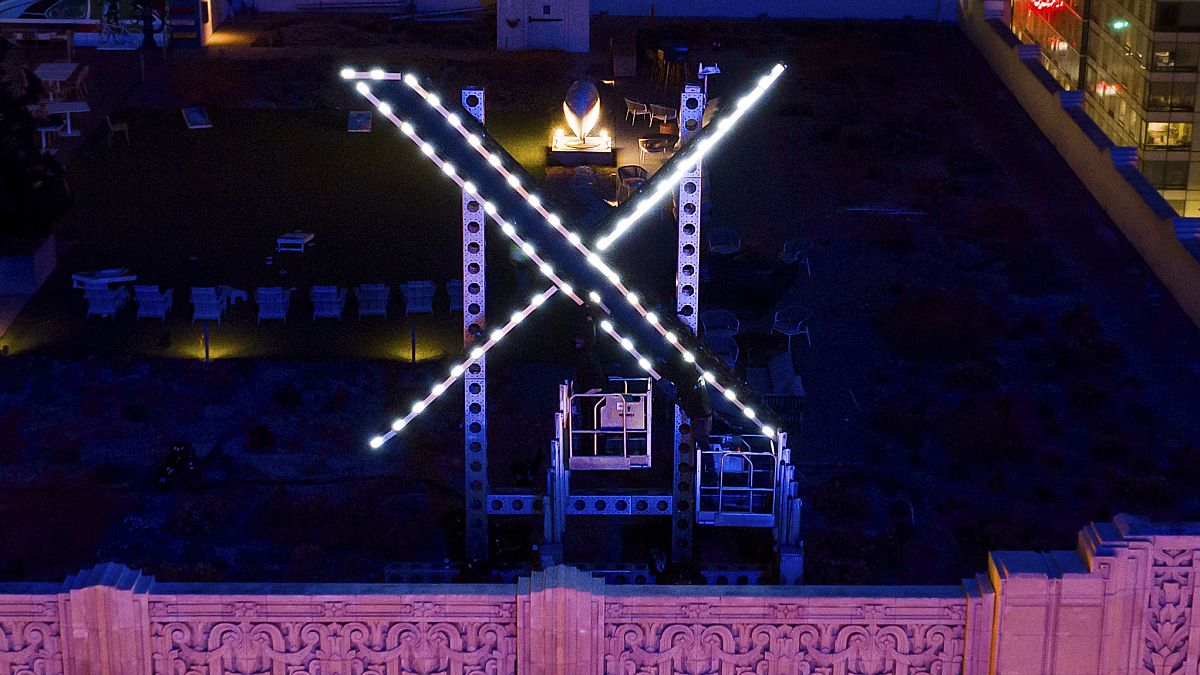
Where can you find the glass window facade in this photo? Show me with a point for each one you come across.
(1137, 63)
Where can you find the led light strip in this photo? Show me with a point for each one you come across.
(459, 369)
(534, 201)
(703, 146)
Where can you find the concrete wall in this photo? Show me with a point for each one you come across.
(1109, 172)
(1121, 603)
(937, 10)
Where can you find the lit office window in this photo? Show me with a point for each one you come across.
(1174, 58)
(1168, 134)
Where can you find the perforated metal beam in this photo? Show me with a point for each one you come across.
(687, 307)
(474, 293)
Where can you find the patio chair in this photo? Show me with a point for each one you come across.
(372, 299)
(105, 301)
(630, 179)
(454, 292)
(152, 303)
(635, 108)
(792, 321)
(724, 241)
(273, 302)
(654, 146)
(209, 303)
(724, 347)
(664, 113)
(77, 84)
(796, 251)
(719, 322)
(418, 297)
(115, 128)
(328, 302)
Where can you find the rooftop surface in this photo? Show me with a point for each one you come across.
(992, 365)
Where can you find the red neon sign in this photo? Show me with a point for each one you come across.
(1047, 5)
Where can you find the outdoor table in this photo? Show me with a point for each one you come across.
(293, 241)
(102, 278)
(66, 108)
(56, 73)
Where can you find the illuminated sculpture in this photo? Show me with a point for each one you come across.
(581, 108)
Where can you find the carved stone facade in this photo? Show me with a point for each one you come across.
(729, 636)
(1121, 603)
(29, 638)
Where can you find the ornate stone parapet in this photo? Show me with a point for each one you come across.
(1120, 604)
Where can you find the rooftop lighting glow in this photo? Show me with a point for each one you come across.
(476, 352)
(376, 442)
(385, 109)
(474, 141)
(376, 73)
(574, 239)
(469, 188)
(767, 430)
(496, 335)
(667, 183)
(594, 296)
(644, 364)
(456, 371)
(418, 407)
(748, 412)
(406, 128)
(652, 319)
(347, 73)
(546, 269)
(528, 249)
(362, 88)
(730, 394)
(448, 168)
(489, 208)
(689, 357)
(513, 181)
(433, 100)
(534, 201)
(427, 149)
(708, 377)
(626, 344)
(606, 325)
(454, 120)
(398, 424)
(508, 229)
(671, 337)
(494, 160)
(632, 298)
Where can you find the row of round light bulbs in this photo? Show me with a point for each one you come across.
(535, 202)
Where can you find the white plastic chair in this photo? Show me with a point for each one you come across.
(208, 303)
(152, 303)
(272, 302)
(719, 322)
(418, 297)
(662, 112)
(105, 301)
(372, 299)
(454, 291)
(724, 346)
(724, 241)
(793, 321)
(328, 302)
(796, 251)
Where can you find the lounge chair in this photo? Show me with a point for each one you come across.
(418, 297)
(793, 321)
(105, 301)
(635, 108)
(454, 291)
(273, 302)
(152, 303)
(719, 322)
(209, 302)
(724, 241)
(724, 346)
(372, 299)
(662, 112)
(328, 302)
